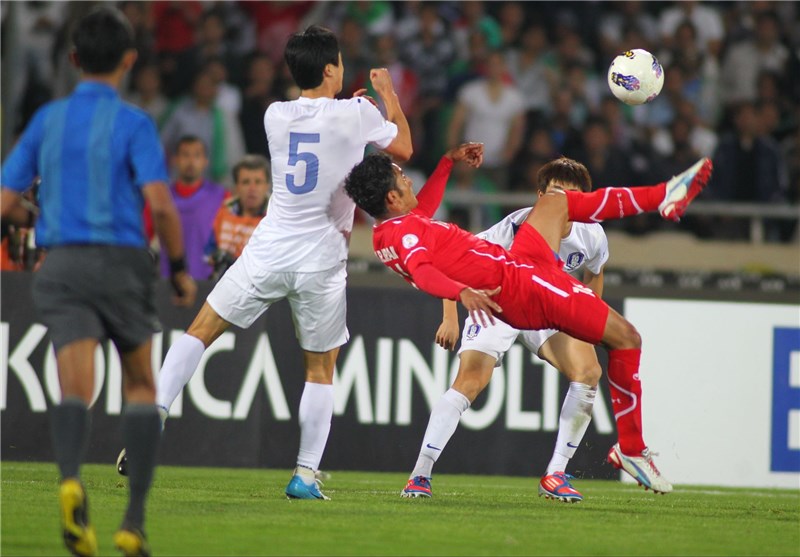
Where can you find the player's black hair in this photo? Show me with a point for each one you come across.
(308, 52)
(252, 162)
(369, 182)
(100, 40)
(188, 140)
(566, 171)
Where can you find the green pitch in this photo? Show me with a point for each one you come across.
(205, 511)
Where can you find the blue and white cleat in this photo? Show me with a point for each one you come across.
(557, 486)
(298, 487)
(418, 486)
(640, 468)
(683, 188)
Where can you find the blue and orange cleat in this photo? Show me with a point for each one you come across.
(418, 486)
(557, 486)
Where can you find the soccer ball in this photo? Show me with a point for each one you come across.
(635, 77)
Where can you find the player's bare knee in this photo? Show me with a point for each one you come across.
(553, 206)
(632, 338)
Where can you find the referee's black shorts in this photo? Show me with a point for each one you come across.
(97, 292)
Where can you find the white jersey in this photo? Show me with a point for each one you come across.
(586, 247)
(314, 143)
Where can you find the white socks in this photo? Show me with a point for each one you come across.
(180, 364)
(316, 411)
(576, 413)
(442, 424)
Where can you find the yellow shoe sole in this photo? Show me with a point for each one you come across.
(79, 535)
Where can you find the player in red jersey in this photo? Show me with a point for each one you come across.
(523, 286)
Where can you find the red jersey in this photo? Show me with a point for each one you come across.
(442, 259)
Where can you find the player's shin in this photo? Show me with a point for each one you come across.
(141, 431)
(315, 414)
(70, 423)
(442, 424)
(576, 413)
(180, 364)
(626, 396)
(613, 203)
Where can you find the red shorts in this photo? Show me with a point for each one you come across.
(537, 294)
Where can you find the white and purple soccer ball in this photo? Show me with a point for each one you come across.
(635, 77)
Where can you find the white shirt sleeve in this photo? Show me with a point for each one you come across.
(375, 129)
(599, 255)
(504, 231)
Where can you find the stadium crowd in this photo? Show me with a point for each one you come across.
(528, 79)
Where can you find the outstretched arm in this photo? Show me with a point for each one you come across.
(431, 194)
(401, 147)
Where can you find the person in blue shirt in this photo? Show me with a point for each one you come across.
(97, 160)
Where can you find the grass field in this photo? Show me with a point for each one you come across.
(206, 511)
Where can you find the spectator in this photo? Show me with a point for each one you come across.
(239, 216)
(706, 19)
(374, 16)
(261, 91)
(275, 21)
(512, 24)
(197, 200)
(772, 89)
(35, 25)
(608, 165)
(229, 97)
(426, 54)
(352, 45)
(175, 24)
(199, 116)
(491, 111)
(539, 146)
(406, 84)
(700, 71)
(474, 19)
(623, 134)
(613, 26)
(527, 68)
(790, 148)
(745, 60)
(147, 93)
(662, 110)
(748, 168)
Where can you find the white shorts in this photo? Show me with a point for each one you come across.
(317, 299)
(495, 340)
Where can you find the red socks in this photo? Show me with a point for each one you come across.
(614, 203)
(626, 398)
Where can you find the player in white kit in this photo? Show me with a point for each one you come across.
(299, 250)
(584, 251)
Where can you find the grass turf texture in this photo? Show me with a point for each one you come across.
(212, 511)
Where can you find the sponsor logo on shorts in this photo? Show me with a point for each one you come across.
(473, 330)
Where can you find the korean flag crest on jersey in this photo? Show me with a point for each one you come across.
(473, 330)
(573, 261)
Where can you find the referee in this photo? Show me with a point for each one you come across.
(99, 159)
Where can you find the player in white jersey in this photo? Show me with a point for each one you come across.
(299, 250)
(584, 251)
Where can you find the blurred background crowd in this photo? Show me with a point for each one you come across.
(528, 79)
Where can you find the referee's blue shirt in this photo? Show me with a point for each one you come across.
(93, 153)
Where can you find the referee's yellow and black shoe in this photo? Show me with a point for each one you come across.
(131, 542)
(79, 536)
